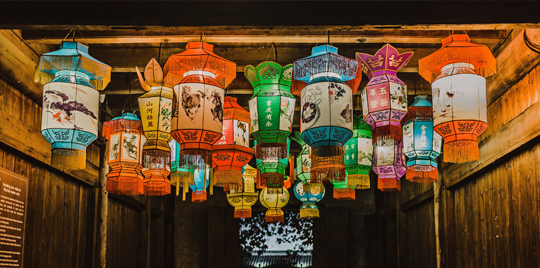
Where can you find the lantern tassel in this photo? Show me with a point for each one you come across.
(242, 213)
(273, 180)
(393, 131)
(69, 159)
(389, 184)
(309, 213)
(274, 215)
(211, 182)
(358, 181)
(271, 151)
(460, 151)
(328, 163)
(421, 173)
(226, 178)
(125, 185)
(344, 194)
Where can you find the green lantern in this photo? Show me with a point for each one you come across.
(181, 176)
(342, 190)
(359, 155)
(303, 161)
(273, 170)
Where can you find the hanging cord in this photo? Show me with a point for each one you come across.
(328, 33)
(130, 104)
(532, 46)
(270, 51)
(22, 40)
(159, 52)
(275, 51)
(414, 81)
(129, 97)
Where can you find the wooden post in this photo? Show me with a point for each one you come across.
(436, 209)
(104, 196)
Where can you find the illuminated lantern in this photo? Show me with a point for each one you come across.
(244, 197)
(202, 181)
(420, 143)
(274, 199)
(273, 170)
(71, 101)
(388, 163)
(329, 81)
(359, 155)
(309, 196)
(384, 99)
(181, 176)
(232, 151)
(271, 110)
(457, 73)
(303, 161)
(126, 140)
(156, 110)
(342, 191)
(200, 77)
(156, 171)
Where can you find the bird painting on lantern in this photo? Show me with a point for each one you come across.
(64, 106)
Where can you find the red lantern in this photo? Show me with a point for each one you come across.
(156, 170)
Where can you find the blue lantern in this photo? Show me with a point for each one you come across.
(202, 180)
(309, 196)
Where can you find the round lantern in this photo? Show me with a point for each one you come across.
(384, 99)
(202, 180)
(232, 151)
(457, 73)
(326, 108)
(244, 197)
(126, 140)
(200, 77)
(274, 199)
(273, 170)
(359, 155)
(71, 101)
(342, 190)
(271, 109)
(303, 161)
(421, 144)
(156, 171)
(181, 176)
(388, 163)
(309, 196)
(156, 110)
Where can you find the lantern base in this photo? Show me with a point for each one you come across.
(242, 213)
(421, 173)
(271, 151)
(389, 131)
(125, 185)
(198, 196)
(309, 213)
(344, 194)
(68, 159)
(460, 151)
(274, 218)
(227, 178)
(157, 187)
(389, 185)
(358, 181)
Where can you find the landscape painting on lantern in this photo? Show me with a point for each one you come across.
(408, 138)
(385, 155)
(365, 152)
(70, 106)
(254, 115)
(130, 146)
(241, 133)
(113, 146)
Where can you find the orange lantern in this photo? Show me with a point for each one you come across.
(156, 170)
(232, 151)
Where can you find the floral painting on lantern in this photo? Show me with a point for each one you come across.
(113, 146)
(241, 133)
(254, 114)
(286, 112)
(398, 96)
(365, 152)
(165, 112)
(130, 146)
(408, 139)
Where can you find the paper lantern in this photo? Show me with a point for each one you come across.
(202, 181)
(384, 99)
(232, 151)
(326, 108)
(303, 161)
(243, 197)
(271, 108)
(181, 176)
(156, 171)
(126, 140)
(156, 109)
(457, 73)
(200, 77)
(388, 163)
(420, 143)
(359, 155)
(272, 169)
(342, 191)
(71, 101)
(274, 199)
(309, 196)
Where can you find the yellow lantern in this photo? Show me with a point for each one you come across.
(274, 199)
(242, 198)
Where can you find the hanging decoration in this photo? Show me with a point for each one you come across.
(202, 181)
(245, 196)
(232, 151)
(200, 77)
(72, 79)
(126, 140)
(273, 170)
(156, 172)
(457, 73)
(303, 161)
(274, 199)
(309, 196)
(384, 99)
(421, 144)
(271, 110)
(181, 176)
(327, 82)
(156, 109)
(359, 155)
(388, 163)
(342, 191)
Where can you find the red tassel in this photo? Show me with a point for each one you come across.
(344, 194)
(421, 173)
(389, 185)
(385, 131)
(242, 213)
(198, 196)
(460, 151)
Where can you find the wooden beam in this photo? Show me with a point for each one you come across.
(239, 68)
(417, 200)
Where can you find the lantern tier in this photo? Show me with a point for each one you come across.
(273, 169)
(156, 111)
(359, 155)
(388, 163)
(242, 203)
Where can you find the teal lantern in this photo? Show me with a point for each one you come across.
(181, 175)
(309, 196)
(359, 155)
(420, 143)
(303, 161)
(273, 170)
(202, 180)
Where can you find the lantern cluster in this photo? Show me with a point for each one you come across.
(359, 155)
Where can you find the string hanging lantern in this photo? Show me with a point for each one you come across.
(274, 199)
(72, 79)
(156, 172)
(457, 73)
(126, 140)
(359, 155)
(202, 181)
(388, 163)
(181, 176)
(232, 151)
(273, 170)
(242, 198)
(309, 196)
(271, 110)
(327, 82)
(421, 144)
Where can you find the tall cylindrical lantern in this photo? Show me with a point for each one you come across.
(457, 73)
(388, 163)
(272, 169)
(126, 140)
(71, 101)
(326, 108)
(421, 144)
(309, 196)
(274, 199)
(359, 155)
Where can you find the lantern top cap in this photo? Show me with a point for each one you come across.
(127, 116)
(125, 122)
(269, 73)
(455, 49)
(324, 59)
(318, 50)
(200, 45)
(422, 101)
(387, 60)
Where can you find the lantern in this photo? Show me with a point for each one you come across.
(71, 101)
(457, 73)
(274, 199)
(388, 163)
(309, 196)
(420, 143)
(242, 198)
(181, 176)
(303, 161)
(342, 190)
(359, 155)
(384, 99)
(156, 171)
(329, 81)
(156, 110)
(232, 151)
(273, 170)
(126, 140)
(200, 77)
(271, 110)
(202, 180)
